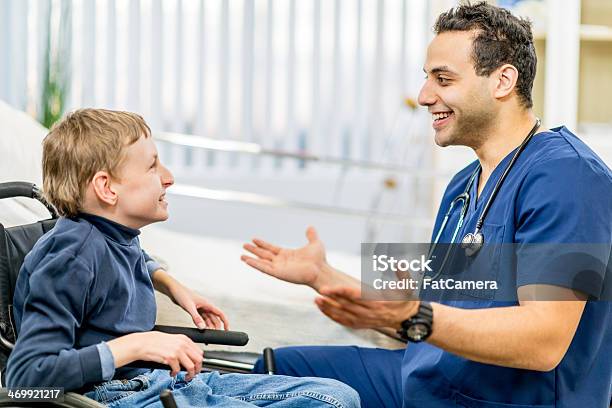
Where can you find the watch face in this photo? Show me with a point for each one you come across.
(418, 331)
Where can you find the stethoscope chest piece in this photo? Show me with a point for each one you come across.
(472, 242)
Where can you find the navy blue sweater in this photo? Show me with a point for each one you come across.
(84, 282)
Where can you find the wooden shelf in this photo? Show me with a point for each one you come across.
(593, 79)
(588, 32)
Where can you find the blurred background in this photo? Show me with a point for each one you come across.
(278, 114)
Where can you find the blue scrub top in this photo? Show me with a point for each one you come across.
(558, 191)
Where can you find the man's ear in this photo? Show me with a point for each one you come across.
(506, 78)
(103, 189)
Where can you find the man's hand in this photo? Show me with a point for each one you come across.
(346, 306)
(175, 350)
(305, 265)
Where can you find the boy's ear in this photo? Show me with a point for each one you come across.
(101, 183)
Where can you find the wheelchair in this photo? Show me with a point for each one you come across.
(17, 241)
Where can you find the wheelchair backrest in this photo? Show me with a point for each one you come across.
(15, 243)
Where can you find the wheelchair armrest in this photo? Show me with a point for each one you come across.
(208, 336)
(205, 336)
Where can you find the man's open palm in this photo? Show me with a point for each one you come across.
(302, 265)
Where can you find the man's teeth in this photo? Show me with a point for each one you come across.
(439, 116)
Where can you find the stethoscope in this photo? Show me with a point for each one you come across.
(472, 242)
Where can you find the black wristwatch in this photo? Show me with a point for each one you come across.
(418, 327)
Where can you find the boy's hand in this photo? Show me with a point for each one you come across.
(204, 314)
(174, 350)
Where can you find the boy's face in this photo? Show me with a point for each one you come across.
(142, 184)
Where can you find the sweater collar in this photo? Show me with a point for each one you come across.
(114, 230)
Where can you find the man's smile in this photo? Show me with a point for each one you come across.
(441, 119)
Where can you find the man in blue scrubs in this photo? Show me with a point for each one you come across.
(480, 69)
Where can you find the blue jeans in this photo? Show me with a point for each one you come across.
(229, 390)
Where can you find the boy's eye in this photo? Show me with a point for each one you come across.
(443, 81)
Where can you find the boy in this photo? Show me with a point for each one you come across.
(84, 302)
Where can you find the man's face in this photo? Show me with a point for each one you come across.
(461, 102)
(142, 184)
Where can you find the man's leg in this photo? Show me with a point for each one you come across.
(374, 373)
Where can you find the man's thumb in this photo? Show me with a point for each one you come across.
(311, 234)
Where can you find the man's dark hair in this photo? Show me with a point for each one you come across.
(501, 38)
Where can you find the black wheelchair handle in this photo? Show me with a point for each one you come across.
(17, 189)
(12, 189)
(149, 365)
(208, 336)
(205, 336)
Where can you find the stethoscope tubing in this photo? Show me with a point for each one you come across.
(465, 198)
(499, 183)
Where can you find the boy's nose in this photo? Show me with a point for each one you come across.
(167, 177)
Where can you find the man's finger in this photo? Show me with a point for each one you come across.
(326, 309)
(338, 315)
(354, 306)
(311, 234)
(347, 296)
(329, 301)
(260, 252)
(266, 245)
(357, 309)
(260, 265)
(341, 291)
(331, 305)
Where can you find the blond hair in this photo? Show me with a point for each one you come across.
(84, 142)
